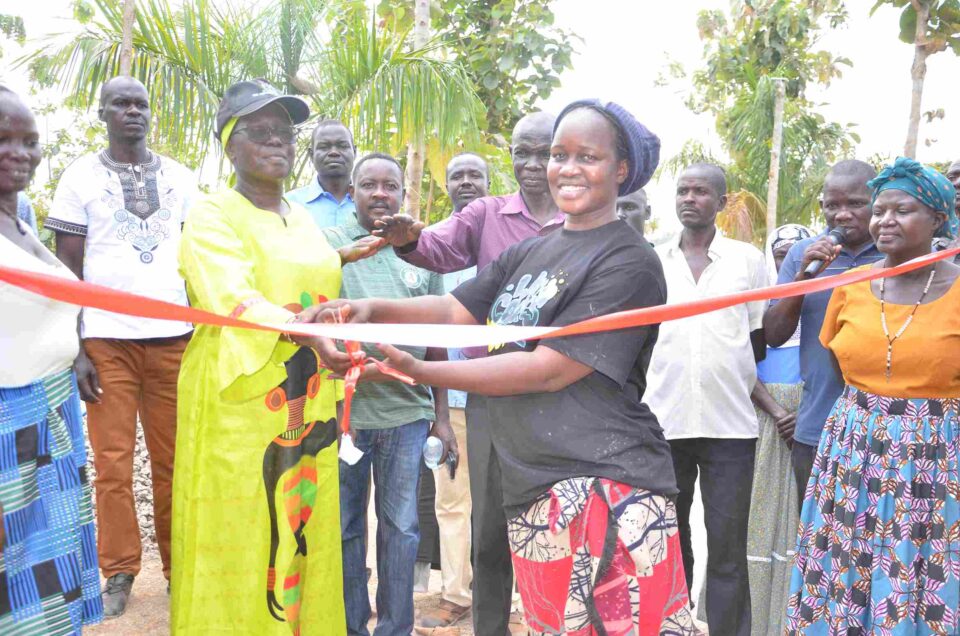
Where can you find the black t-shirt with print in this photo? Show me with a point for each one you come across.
(597, 426)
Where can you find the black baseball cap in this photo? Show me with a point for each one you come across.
(249, 96)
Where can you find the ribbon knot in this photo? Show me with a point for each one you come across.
(359, 360)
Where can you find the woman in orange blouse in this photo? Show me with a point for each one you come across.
(879, 544)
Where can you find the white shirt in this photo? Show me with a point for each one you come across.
(38, 336)
(703, 369)
(126, 251)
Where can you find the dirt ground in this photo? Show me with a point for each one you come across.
(148, 611)
(149, 607)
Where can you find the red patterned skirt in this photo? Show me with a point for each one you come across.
(594, 556)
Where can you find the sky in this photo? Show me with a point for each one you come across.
(627, 44)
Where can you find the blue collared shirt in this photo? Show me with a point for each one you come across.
(457, 399)
(822, 383)
(322, 206)
(25, 211)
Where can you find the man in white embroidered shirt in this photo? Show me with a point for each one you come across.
(701, 375)
(117, 215)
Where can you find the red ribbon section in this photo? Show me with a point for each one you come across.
(99, 297)
(89, 295)
(663, 313)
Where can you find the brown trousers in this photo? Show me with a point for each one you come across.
(137, 377)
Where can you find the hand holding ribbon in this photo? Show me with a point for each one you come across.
(359, 362)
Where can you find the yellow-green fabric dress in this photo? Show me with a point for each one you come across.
(256, 520)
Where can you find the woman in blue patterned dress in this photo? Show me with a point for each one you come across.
(879, 545)
(48, 557)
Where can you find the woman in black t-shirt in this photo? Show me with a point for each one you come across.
(587, 477)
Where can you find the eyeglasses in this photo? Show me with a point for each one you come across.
(263, 134)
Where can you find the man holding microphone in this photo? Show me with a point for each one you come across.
(845, 202)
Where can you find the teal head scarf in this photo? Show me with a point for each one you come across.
(923, 183)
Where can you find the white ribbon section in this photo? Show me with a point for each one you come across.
(444, 336)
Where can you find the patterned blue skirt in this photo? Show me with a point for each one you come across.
(878, 550)
(48, 566)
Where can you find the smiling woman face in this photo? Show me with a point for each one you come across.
(267, 161)
(19, 144)
(584, 172)
(903, 225)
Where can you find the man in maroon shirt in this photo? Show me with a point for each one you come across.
(476, 235)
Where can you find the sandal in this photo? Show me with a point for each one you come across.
(445, 614)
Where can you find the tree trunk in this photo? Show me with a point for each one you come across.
(776, 143)
(417, 151)
(126, 43)
(917, 73)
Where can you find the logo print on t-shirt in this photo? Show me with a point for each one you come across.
(520, 304)
(411, 277)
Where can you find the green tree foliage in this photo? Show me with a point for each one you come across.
(512, 50)
(744, 50)
(331, 51)
(79, 136)
(11, 27)
(942, 28)
(932, 26)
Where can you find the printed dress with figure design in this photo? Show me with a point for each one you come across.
(256, 524)
(878, 550)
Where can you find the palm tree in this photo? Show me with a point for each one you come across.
(126, 41)
(418, 146)
(347, 67)
(810, 145)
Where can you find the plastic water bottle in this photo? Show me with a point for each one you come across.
(432, 452)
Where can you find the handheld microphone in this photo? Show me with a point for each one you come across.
(835, 236)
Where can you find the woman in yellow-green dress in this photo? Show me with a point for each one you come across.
(256, 530)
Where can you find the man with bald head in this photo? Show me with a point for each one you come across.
(702, 373)
(845, 203)
(117, 215)
(475, 236)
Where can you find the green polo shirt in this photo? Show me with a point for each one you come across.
(379, 405)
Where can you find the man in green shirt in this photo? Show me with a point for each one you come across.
(390, 421)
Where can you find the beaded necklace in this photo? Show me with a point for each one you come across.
(883, 319)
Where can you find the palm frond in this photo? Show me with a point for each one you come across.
(185, 58)
(332, 51)
(387, 92)
(743, 218)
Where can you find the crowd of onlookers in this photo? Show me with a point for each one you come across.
(560, 498)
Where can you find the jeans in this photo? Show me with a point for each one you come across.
(725, 467)
(492, 566)
(803, 456)
(395, 456)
